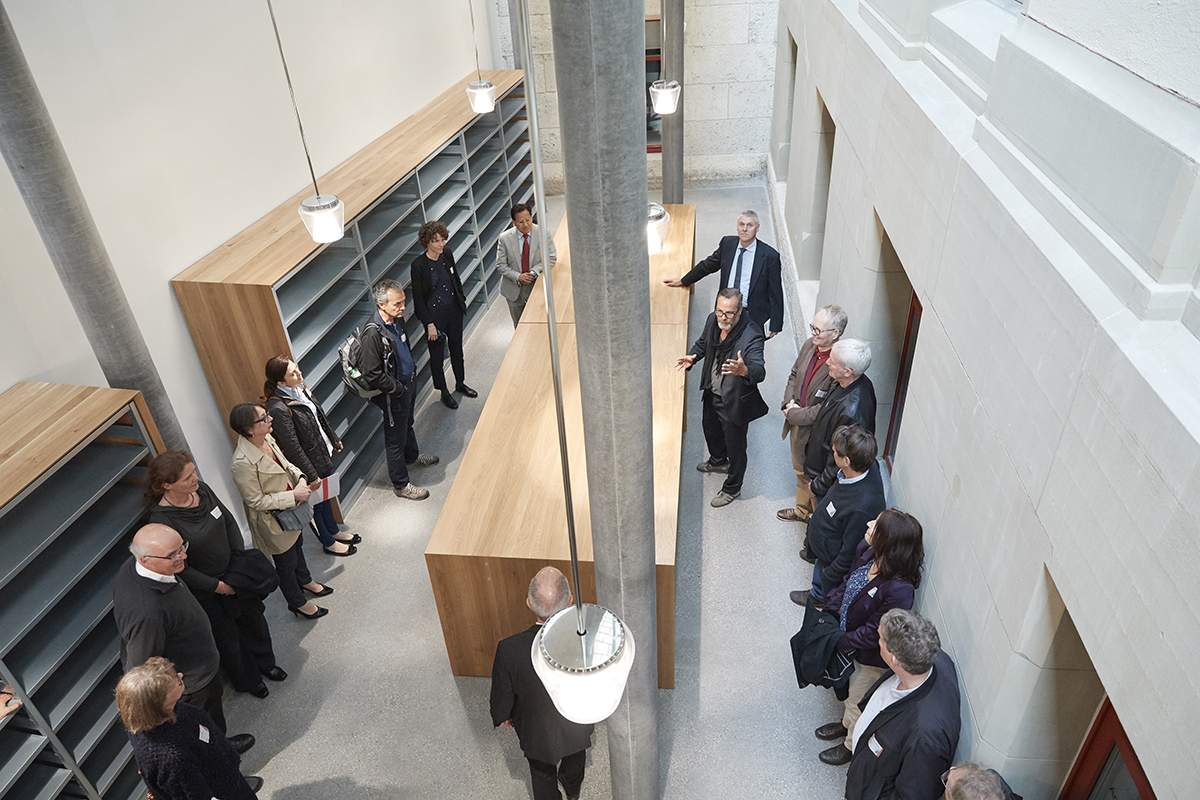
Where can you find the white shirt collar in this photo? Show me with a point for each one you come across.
(843, 479)
(154, 576)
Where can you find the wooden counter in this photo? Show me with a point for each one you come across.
(504, 517)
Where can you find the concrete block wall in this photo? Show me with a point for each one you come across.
(1050, 442)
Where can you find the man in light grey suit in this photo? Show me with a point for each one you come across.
(519, 260)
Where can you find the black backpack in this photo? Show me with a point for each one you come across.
(350, 354)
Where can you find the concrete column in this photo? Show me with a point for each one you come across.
(514, 22)
(43, 174)
(672, 124)
(601, 48)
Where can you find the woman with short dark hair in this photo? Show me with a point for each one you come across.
(178, 499)
(181, 753)
(269, 483)
(440, 304)
(885, 575)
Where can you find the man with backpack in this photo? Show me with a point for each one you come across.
(387, 368)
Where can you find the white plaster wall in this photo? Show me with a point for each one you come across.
(1158, 40)
(177, 122)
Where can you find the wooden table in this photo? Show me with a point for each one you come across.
(505, 518)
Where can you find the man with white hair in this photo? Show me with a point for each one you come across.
(555, 747)
(750, 266)
(852, 402)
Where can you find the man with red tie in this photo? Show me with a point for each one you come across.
(519, 259)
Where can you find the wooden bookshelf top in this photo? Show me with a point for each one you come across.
(272, 246)
(42, 422)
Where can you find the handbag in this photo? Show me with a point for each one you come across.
(294, 518)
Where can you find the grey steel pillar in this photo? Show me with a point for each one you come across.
(672, 124)
(43, 174)
(515, 8)
(600, 48)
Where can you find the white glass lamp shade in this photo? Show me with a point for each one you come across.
(482, 95)
(325, 217)
(664, 96)
(584, 674)
(658, 220)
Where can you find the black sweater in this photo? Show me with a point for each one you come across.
(840, 521)
(210, 538)
(177, 764)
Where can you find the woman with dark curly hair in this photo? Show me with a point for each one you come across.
(885, 575)
(440, 305)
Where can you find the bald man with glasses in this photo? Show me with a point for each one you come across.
(157, 615)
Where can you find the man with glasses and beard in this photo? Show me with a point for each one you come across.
(732, 348)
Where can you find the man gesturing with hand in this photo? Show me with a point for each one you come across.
(731, 347)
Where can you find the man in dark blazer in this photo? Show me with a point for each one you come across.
(555, 747)
(851, 402)
(731, 347)
(751, 267)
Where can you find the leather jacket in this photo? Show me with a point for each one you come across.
(853, 405)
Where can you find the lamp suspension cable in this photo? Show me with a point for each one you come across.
(474, 39)
(292, 92)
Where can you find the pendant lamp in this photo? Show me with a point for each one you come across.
(658, 220)
(481, 93)
(582, 654)
(664, 96)
(324, 215)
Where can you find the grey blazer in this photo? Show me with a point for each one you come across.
(508, 260)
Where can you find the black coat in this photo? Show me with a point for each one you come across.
(739, 396)
(519, 695)
(877, 598)
(916, 737)
(178, 764)
(378, 357)
(834, 537)
(297, 431)
(422, 285)
(815, 654)
(854, 405)
(765, 300)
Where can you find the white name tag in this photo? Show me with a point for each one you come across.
(829, 509)
(216, 512)
(204, 737)
(821, 393)
(875, 746)
(452, 270)
(872, 591)
(403, 337)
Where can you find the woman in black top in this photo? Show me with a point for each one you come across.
(181, 753)
(440, 304)
(181, 501)
(308, 441)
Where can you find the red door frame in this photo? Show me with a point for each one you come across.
(906, 359)
(1106, 732)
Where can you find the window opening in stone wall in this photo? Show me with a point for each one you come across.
(1107, 767)
(905, 371)
(784, 146)
(813, 155)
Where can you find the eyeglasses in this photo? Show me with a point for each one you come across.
(174, 555)
(946, 776)
(727, 314)
(817, 331)
(263, 418)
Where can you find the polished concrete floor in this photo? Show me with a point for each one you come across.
(371, 712)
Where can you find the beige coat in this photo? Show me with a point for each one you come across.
(801, 419)
(263, 485)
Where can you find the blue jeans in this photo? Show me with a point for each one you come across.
(326, 525)
(817, 590)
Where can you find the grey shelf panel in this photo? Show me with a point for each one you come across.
(482, 129)
(38, 782)
(518, 151)
(491, 234)
(437, 170)
(523, 194)
(519, 174)
(60, 500)
(489, 209)
(324, 313)
(393, 208)
(128, 785)
(318, 361)
(18, 751)
(486, 198)
(346, 412)
(493, 284)
(510, 104)
(516, 131)
(437, 204)
(31, 594)
(355, 440)
(358, 472)
(299, 290)
(486, 156)
(458, 216)
(476, 288)
(82, 732)
(467, 271)
(71, 684)
(329, 390)
(108, 759)
(392, 247)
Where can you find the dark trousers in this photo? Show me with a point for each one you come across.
(449, 323)
(726, 442)
(293, 573)
(242, 636)
(326, 525)
(546, 776)
(399, 438)
(208, 698)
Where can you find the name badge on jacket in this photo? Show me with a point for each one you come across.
(204, 735)
(829, 509)
(821, 393)
(875, 746)
(216, 512)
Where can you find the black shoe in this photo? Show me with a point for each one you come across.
(354, 539)
(260, 691)
(466, 391)
(837, 755)
(320, 612)
(351, 550)
(275, 673)
(708, 466)
(448, 400)
(830, 731)
(801, 597)
(241, 742)
(806, 554)
(326, 590)
(568, 794)
(254, 782)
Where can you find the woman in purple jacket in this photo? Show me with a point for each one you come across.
(885, 574)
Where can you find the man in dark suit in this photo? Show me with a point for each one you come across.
(751, 267)
(732, 349)
(555, 747)
(851, 402)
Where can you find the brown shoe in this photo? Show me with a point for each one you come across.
(790, 515)
(410, 492)
(837, 755)
(831, 731)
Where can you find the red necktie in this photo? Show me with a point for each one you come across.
(525, 253)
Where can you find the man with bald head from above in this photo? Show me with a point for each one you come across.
(158, 616)
(555, 747)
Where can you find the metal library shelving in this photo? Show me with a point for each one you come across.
(72, 476)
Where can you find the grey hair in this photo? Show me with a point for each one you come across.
(380, 289)
(730, 291)
(912, 639)
(548, 597)
(138, 550)
(855, 355)
(973, 782)
(837, 317)
(751, 214)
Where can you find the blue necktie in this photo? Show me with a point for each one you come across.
(737, 275)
